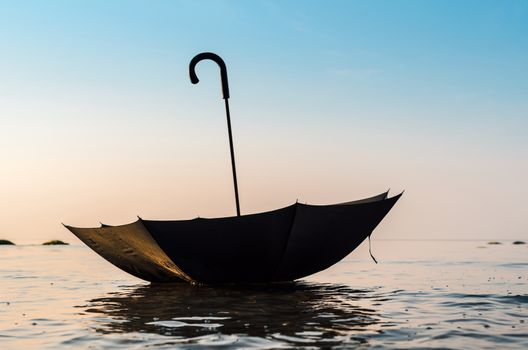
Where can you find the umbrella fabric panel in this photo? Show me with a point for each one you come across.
(132, 249)
(376, 198)
(246, 248)
(323, 235)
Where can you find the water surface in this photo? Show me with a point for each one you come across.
(422, 294)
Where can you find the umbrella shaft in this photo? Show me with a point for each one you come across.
(233, 166)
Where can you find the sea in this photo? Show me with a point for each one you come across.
(428, 294)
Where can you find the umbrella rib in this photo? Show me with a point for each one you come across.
(287, 240)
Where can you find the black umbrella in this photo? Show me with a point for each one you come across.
(279, 245)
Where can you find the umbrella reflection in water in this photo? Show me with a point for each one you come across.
(289, 313)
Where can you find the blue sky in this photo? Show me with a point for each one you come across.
(330, 101)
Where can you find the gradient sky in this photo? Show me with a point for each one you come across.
(330, 101)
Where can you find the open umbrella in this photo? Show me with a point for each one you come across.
(279, 245)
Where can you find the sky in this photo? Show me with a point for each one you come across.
(330, 102)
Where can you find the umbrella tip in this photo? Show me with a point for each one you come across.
(139, 217)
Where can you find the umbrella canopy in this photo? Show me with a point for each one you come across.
(279, 245)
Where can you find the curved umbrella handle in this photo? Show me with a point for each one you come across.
(223, 70)
(225, 91)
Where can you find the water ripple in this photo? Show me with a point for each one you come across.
(71, 299)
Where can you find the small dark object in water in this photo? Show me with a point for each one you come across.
(494, 242)
(55, 242)
(6, 242)
(519, 242)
